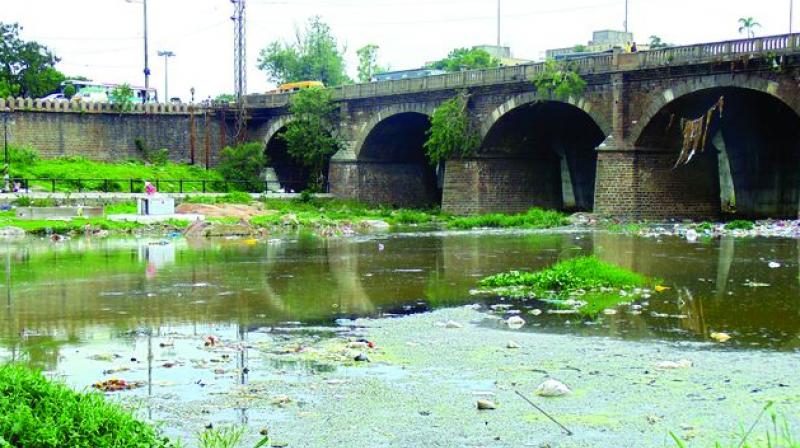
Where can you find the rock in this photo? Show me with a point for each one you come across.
(453, 324)
(691, 235)
(515, 322)
(535, 312)
(11, 232)
(774, 265)
(512, 344)
(720, 337)
(222, 230)
(552, 388)
(486, 405)
(669, 365)
(609, 312)
(374, 224)
(290, 219)
(361, 358)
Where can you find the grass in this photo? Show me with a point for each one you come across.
(40, 227)
(779, 434)
(594, 282)
(331, 211)
(25, 163)
(37, 412)
(534, 218)
(633, 227)
(236, 197)
(740, 224)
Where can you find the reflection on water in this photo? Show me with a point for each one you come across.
(61, 297)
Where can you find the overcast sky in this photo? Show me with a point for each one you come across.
(102, 39)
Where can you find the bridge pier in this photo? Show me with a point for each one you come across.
(382, 183)
(642, 183)
(507, 185)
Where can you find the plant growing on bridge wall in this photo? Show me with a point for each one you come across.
(451, 133)
(748, 26)
(560, 79)
(310, 137)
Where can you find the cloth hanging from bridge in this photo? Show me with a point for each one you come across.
(695, 132)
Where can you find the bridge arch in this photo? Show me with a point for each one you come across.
(749, 164)
(536, 152)
(583, 103)
(392, 165)
(292, 176)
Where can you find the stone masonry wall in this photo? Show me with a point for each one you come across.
(111, 136)
(500, 185)
(395, 184)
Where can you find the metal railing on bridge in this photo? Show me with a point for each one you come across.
(601, 63)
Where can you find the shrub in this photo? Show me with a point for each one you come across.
(739, 224)
(39, 413)
(243, 163)
(24, 155)
(534, 218)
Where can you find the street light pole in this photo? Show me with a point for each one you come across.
(626, 16)
(498, 23)
(791, 15)
(167, 54)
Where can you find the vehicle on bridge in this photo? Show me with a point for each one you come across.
(406, 74)
(299, 85)
(100, 92)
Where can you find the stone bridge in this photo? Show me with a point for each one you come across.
(611, 150)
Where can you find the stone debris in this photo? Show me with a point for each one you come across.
(515, 322)
(671, 365)
(486, 405)
(552, 388)
(720, 337)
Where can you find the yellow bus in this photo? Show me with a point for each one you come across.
(300, 85)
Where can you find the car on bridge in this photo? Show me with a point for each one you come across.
(299, 85)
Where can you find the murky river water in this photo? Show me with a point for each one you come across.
(63, 304)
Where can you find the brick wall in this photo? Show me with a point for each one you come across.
(501, 185)
(111, 136)
(395, 184)
(641, 184)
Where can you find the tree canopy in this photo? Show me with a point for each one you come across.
(368, 63)
(310, 137)
(451, 134)
(559, 79)
(657, 43)
(27, 69)
(314, 56)
(466, 59)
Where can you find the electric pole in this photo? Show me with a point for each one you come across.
(626, 16)
(167, 54)
(146, 59)
(498, 23)
(240, 66)
(791, 15)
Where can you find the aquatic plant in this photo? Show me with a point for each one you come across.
(740, 224)
(534, 218)
(779, 434)
(42, 413)
(596, 283)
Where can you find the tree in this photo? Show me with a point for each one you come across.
(451, 133)
(310, 137)
(560, 79)
(314, 56)
(27, 69)
(243, 163)
(656, 43)
(466, 59)
(122, 97)
(368, 63)
(225, 98)
(748, 26)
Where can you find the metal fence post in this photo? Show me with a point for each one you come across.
(53, 185)
(180, 186)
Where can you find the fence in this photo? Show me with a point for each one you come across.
(81, 185)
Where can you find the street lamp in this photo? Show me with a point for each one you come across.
(167, 54)
(146, 65)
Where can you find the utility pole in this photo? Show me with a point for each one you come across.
(791, 15)
(240, 66)
(498, 23)
(6, 166)
(626, 16)
(146, 58)
(167, 54)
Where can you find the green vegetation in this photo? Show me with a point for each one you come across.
(25, 163)
(368, 63)
(631, 227)
(27, 68)
(310, 137)
(559, 79)
(748, 26)
(534, 218)
(331, 211)
(451, 133)
(595, 283)
(466, 59)
(740, 224)
(122, 97)
(77, 225)
(244, 163)
(37, 412)
(656, 43)
(779, 434)
(315, 56)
